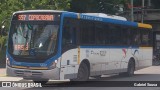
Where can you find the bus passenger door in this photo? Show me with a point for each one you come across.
(69, 49)
(68, 65)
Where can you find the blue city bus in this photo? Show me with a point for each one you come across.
(59, 45)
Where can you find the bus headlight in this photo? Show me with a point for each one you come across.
(8, 62)
(53, 65)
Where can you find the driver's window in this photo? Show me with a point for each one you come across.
(69, 39)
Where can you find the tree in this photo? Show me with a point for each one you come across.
(7, 7)
(96, 6)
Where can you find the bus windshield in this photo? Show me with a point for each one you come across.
(33, 39)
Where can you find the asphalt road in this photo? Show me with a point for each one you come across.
(147, 74)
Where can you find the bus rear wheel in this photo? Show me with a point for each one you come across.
(131, 68)
(83, 73)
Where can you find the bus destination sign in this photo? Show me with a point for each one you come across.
(35, 17)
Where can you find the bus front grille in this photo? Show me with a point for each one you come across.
(21, 73)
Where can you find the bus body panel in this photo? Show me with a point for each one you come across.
(146, 57)
(69, 63)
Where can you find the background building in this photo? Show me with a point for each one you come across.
(147, 11)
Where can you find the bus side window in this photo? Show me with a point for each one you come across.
(87, 33)
(125, 32)
(144, 37)
(135, 36)
(101, 33)
(69, 36)
(65, 35)
(115, 35)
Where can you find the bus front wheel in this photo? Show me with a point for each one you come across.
(83, 73)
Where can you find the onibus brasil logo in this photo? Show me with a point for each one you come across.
(20, 84)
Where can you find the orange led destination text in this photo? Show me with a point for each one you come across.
(41, 17)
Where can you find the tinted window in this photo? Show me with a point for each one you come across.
(69, 35)
(100, 31)
(145, 37)
(115, 35)
(87, 32)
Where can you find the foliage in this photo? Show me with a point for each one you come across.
(7, 7)
(2, 42)
(96, 6)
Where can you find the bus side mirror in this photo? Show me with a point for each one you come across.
(3, 31)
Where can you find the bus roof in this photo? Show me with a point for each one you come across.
(107, 16)
(114, 19)
(142, 25)
(96, 16)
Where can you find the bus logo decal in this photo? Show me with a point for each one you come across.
(124, 51)
(135, 52)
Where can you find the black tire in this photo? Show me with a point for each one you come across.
(83, 73)
(131, 68)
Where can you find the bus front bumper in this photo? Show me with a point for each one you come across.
(34, 74)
